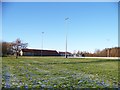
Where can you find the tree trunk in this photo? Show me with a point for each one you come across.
(16, 55)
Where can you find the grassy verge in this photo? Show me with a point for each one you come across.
(57, 72)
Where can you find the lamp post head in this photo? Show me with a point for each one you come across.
(66, 18)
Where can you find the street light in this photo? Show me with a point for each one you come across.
(66, 19)
(108, 49)
(42, 44)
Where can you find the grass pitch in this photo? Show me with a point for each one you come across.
(58, 72)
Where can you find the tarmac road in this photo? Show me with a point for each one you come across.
(98, 57)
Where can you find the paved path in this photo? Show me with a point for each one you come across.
(98, 57)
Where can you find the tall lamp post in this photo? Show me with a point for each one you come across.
(66, 19)
(108, 49)
(42, 44)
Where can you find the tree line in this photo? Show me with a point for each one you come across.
(12, 48)
(107, 52)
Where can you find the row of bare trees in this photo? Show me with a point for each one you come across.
(107, 52)
(12, 48)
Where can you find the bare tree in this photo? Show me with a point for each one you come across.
(5, 48)
(97, 52)
(17, 46)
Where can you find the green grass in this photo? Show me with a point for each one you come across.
(57, 72)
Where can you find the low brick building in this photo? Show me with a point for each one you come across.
(37, 52)
(63, 54)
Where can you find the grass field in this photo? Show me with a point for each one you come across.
(57, 72)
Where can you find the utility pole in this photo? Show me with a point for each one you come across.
(42, 45)
(66, 19)
(108, 49)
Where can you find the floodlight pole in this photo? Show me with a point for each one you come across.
(108, 49)
(66, 36)
(42, 44)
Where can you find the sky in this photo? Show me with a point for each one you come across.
(91, 25)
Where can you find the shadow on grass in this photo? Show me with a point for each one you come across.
(94, 61)
(79, 62)
(84, 60)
